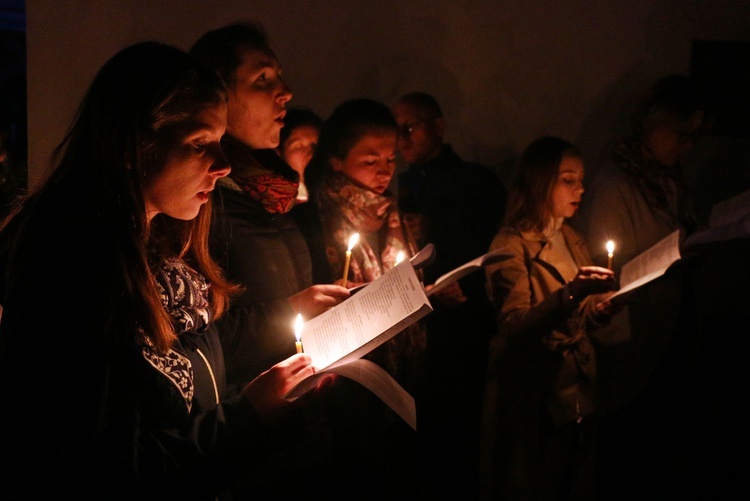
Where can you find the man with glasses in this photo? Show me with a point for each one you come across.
(457, 206)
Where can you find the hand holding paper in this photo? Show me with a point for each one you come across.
(449, 295)
(267, 391)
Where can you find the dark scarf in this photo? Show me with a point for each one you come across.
(347, 208)
(263, 175)
(662, 186)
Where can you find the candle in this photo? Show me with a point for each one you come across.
(298, 333)
(400, 256)
(352, 242)
(610, 253)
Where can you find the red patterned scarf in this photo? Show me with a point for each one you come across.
(262, 174)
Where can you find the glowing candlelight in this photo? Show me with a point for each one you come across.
(352, 242)
(298, 333)
(610, 253)
(400, 256)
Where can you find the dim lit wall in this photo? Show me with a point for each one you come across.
(504, 71)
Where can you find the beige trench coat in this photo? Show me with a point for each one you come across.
(542, 369)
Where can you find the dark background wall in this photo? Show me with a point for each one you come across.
(13, 128)
(504, 71)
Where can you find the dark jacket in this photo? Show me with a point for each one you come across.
(266, 254)
(83, 414)
(462, 204)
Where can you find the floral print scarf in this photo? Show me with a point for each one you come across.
(346, 208)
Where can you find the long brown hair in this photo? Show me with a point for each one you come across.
(120, 134)
(529, 201)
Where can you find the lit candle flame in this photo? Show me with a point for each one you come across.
(353, 241)
(298, 332)
(610, 248)
(298, 327)
(610, 253)
(400, 256)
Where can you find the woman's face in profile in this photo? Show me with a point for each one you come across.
(669, 141)
(194, 162)
(371, 162)
(568, 188)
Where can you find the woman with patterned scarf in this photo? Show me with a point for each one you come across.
(349, 178)
(111, 372)
(640, 195)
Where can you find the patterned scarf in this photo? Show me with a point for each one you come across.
(263, 175)
(346, 208)
(184, 294)
(662, 186)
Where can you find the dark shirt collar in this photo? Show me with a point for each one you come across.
(445, 158)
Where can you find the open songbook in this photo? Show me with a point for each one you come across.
(338, 338)
(425, 257)
(650, 264)
(729, 219)
(467, 268)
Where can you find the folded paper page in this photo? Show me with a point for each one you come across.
(468, 268)
(374, 378)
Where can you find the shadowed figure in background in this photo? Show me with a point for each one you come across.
(457, 206)
(640, 196)
(637, 198)
(297, 143)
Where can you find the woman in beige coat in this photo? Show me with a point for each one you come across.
(541, 395)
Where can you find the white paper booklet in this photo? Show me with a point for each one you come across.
(367, 319)
(339, 337)
(650, 264)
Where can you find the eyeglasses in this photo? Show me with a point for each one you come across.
(407, 129)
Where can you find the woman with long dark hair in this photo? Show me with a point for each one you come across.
(111, 373)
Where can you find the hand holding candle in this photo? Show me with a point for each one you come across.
(400, 256)
(352, 242)
(610, 253)
(298, 333)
